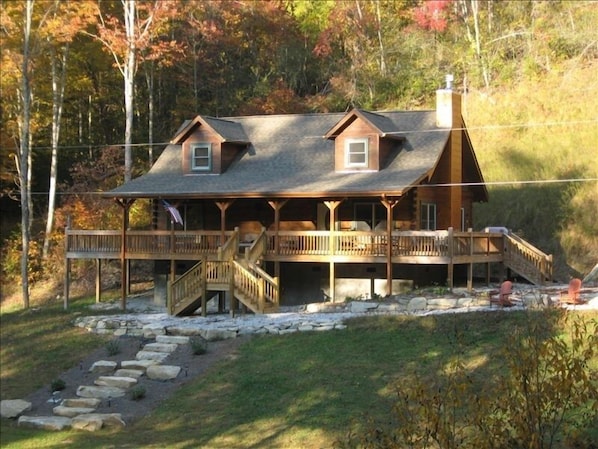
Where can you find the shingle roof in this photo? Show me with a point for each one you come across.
(289, 157)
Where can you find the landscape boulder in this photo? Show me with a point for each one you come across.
(13, 408)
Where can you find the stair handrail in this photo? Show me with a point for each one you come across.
(258, 248)
(185, 287)
(229, 249)
(256, 285)
(519, 250)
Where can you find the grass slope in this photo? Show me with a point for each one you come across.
(542, 128)
(299, 390)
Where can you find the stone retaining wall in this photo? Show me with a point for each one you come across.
(311, 317)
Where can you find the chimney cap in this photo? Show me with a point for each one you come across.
(449, 81)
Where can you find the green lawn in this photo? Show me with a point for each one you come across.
(303, 390)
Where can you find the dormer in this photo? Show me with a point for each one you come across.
(209, 145)
(363, 141)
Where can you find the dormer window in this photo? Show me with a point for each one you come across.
(356, 152)
(201, 156)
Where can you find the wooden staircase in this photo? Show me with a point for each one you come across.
(527, 260)
(238, 274)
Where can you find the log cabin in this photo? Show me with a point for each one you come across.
(262, 211)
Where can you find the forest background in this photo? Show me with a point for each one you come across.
(91, 90)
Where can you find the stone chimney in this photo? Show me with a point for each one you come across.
(448, 115)
(448, 106)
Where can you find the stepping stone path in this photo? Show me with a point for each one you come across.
(112, 381)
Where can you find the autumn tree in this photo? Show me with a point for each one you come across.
(125, 37)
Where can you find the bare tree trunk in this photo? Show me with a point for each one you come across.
(478, 41)
(380, 41)
(24, 152)
(129, 79)
(149, 79)
(58, 85)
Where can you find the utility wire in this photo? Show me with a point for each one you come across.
(414, 131)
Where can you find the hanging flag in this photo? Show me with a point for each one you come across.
(175, 216)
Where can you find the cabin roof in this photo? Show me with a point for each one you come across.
(293, 156)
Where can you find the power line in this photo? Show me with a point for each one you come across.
(413, 131)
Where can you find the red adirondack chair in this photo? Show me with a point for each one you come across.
(572, 294)
(503, 296)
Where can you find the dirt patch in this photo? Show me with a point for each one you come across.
(192, 366)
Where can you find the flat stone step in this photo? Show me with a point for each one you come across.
(81, 402)
(71, 412)
(152, 355)
(163, 372)
(160, 347)
(103, 367)
(115, 381)
(99, 392)
(176, 339)
(141, 365)
(45, 422)
(95, 421)
(125, 372)
(12, 408)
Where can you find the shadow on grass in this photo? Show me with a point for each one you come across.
(308, 389)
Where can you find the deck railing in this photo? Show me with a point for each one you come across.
(193, 244)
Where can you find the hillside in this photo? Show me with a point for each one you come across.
(540, 129)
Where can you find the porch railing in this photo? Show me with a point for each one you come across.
(193, 244)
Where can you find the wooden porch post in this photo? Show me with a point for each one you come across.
(470, 268)
(332, 206)
(204, 285)
(389, 205)
(125, 204)
(98, 280)
(277, 205)
(223, 205)
(451, 267)
(67, 265)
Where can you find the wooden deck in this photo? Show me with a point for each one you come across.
(226, 264)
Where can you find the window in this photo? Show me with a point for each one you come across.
(201, 156)
(369, 216)
(428, 217)
(356, 153)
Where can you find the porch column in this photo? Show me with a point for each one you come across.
(125, 204)
(98, 279)
(67, 264)
(451, 253)
(332, 206)
(389, 204)
(277, 205)
(223, 205)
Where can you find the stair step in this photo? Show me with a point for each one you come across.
(95, 421)
(152, 355)
(71, 412)
(176, 339)
(163, 372)
(45, 422)
(103, 367)
(140, 365)
(160, 347)
(125, 372)
(81, 402)
(99, 392)
(115, 381)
